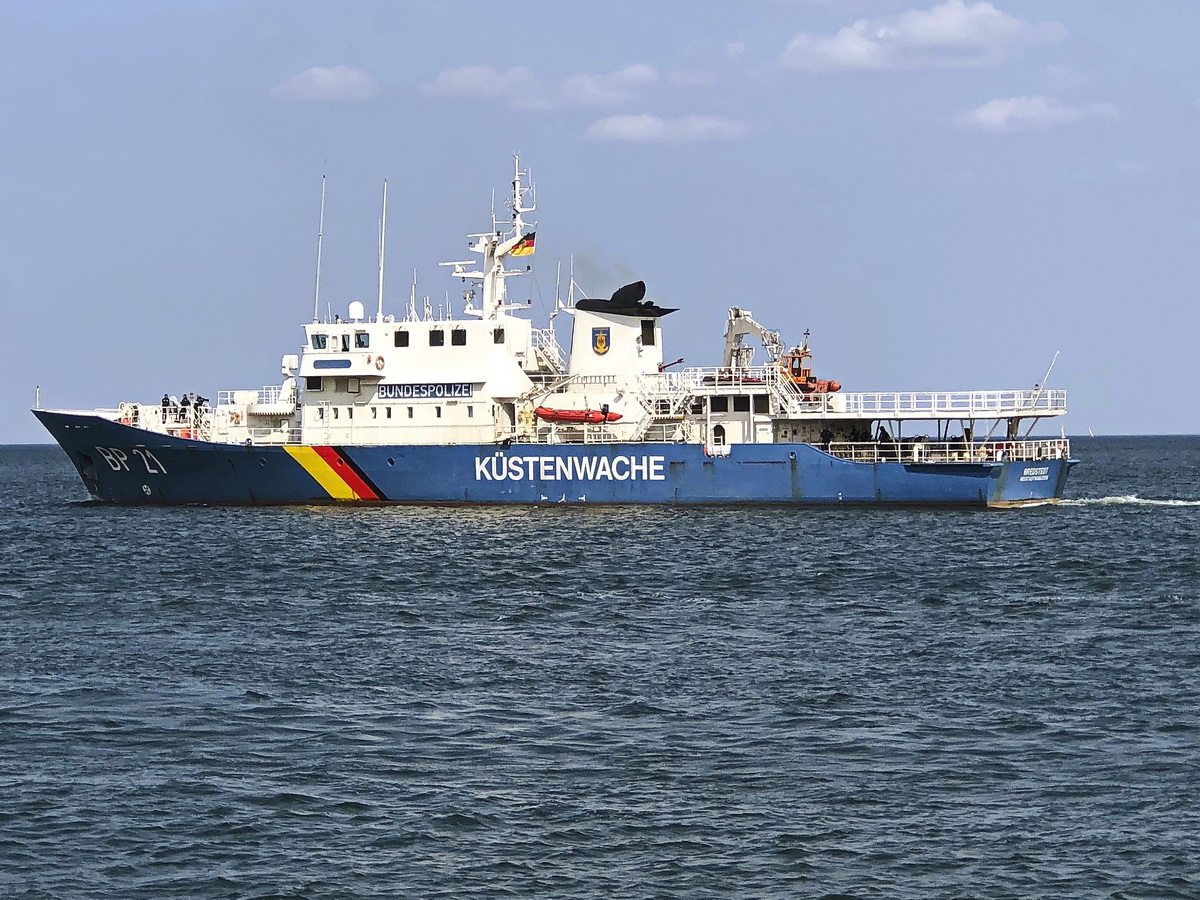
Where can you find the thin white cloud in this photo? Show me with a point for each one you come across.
(611, 89)
(953, 34)
(522, 89)
(482, 82)
(1030, 113)
(648, 129)
(327, 84)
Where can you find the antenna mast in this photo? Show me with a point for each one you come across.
(382, 247)
(1038, 388)
(519, 191)
(320, 232)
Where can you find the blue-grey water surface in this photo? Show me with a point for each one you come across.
(616, 702)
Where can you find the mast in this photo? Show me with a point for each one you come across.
(494, 247)
(382, 248)
(320, 232)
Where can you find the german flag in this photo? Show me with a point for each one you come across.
(523, 247)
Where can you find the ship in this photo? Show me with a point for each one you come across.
(479, 406)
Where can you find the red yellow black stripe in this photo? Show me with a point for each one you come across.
(339, 475)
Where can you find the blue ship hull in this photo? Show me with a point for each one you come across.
(122, 464)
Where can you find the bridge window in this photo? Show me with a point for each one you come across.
(320, 341)
(314, 383)
(345, 343)
(762, 403)
(401, 338)
(498, 336)
(437, 338)
(458, 337)
(362, 340)
(647, 332)
(741, 403)
(719, 404)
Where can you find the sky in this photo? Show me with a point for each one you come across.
(944, 192)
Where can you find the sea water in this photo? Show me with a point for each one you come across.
(615, 702)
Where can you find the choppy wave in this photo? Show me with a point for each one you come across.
(1127, 500)
(622, 702)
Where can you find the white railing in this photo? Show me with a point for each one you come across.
(860, 405)
(944, 404)
(270, 394)
(949, 451)
(270, 436)
(267, 394)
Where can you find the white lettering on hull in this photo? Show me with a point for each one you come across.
(1036, 473)
(118, 459)
(570, 468)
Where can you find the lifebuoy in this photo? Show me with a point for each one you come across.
(379, 363)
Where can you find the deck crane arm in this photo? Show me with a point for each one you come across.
(740, 324)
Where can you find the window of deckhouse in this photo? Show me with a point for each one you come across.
(362, 340)
(647, 332)
(498, 336)
(437, 338)
(345, 343)
(314, 383)
(458, 337)
(401, 338)
(320, 341)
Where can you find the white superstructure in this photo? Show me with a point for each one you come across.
(488, 376)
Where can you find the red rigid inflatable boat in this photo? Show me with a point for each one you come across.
(575, 416)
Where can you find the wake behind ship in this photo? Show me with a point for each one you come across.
(485, 408)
